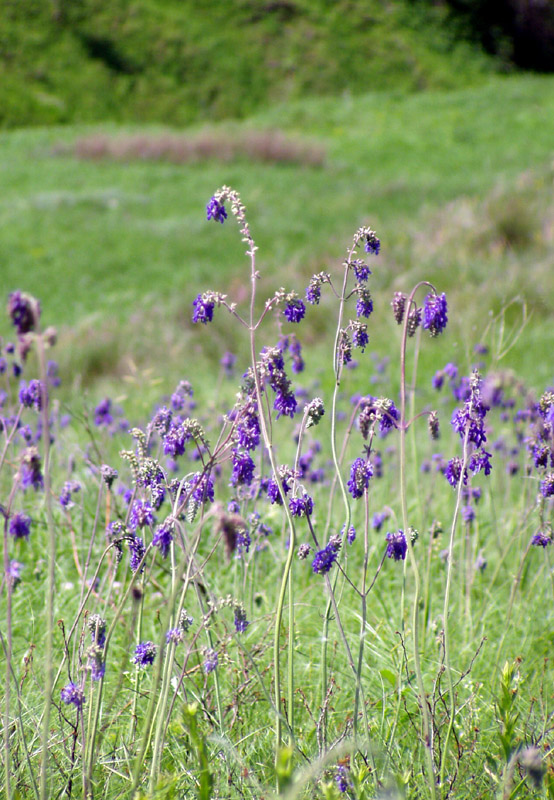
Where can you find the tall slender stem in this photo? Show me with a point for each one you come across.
(426, 723)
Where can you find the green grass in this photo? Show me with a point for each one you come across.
(123, 248)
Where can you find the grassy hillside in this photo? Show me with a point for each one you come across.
(458, 185)
(175, 61)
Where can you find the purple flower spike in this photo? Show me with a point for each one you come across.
(396, 545)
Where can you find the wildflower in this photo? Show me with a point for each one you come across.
(203, 309)
(372, 244)
(541, 539)
(360, 474)
(248, 429)
(433, 425)
(164, 536)
(324, 559)
(361, 270)
(31, 471)
(547, 485)
(174, 636)
(480, 562)
(185, 620)
(69, 488)
(102, 412)
(303, 551)
(137, 551)
(414, 321)
(30, 396)
(341, 778)
(142, 514)
(228, 362)
(285, 404)
(71, 694)
(434, 314)
(294, 310)
(161, 420)
(453, 471)
(145, 653)
(351, 535)
(364, 304)
(359, 337)
(216, 211)
(23, 311)
(398, 304)
(243, 469)
(397, 545)
(241, 623)
(203, 488)
(378, 518)
(210, 660)
(314, 411)
(468, 514)
(95, 662)
(480, 460)
(14, 572)
(97, 628)
(109, 474)
(313, 291)
(301, 506)
(20, 525)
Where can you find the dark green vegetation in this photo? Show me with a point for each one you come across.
(175, 61)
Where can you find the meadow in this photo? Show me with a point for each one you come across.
(250, 559)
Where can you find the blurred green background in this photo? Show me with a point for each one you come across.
(433, 122)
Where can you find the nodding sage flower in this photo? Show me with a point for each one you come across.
(97, 628)
(203, 309)
(30, 396)
(20, 525)
(241, 623)
(541, 539)
(164, 536)
(102, 412)
(216, 211)
(360, 474)
(31, 471)
(23, 311)
(174, 636)
(434, 313)
(364, 303)
(324, 559)
(142, 514)
(372, 244)
(210, 660)
(68, 490)
(145, 653)
(243, 469)
(359, 336)
(547, 485)
(136, 551)
(71, 694)
(109, 474)
(295, 310)
(398, 304)
(301, 506)
(361, 270)
(396, 545)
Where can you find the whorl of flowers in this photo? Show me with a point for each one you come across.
(24, 312)
(145, 653)
(314, 411)
(325, 558)
(435, 313)
(361, 472)
(397, 545)
(377, 409)
(216, 210)
(238, 210)
(204, 304)
(313, 290)
(301, 506)
(71, 694)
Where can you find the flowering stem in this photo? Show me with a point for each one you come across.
(51, 572)
(427, 731)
